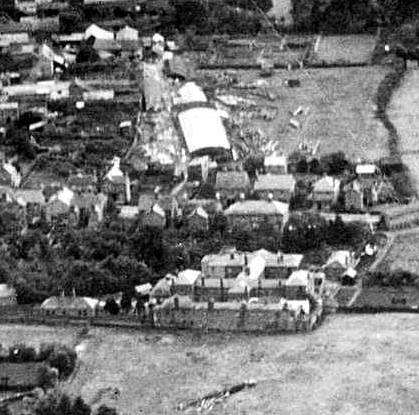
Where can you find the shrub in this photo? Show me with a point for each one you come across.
(22, 353)
(64, 360)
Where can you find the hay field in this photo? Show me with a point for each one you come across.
(356, 364)
(403, 254)
(403, 112)
(341, 104)
(11, 334)
(348, 48)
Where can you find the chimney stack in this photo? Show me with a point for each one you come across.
(127, 188)
(74, 292)
(202, 281)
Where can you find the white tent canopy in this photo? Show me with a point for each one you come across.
(202, 128)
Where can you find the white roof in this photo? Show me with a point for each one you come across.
(129, 211)
(190, 92)
(350, 272)
(298, 278)
(200, 212)
(115, 170)
(65, 195)
(275, 160)
(157, 209)
(202, 128)
(187, 277)
(143, 289)
(157, 38)
(366, 169)
(326, 184)
(98, 33)
(6, 291)
(127, 33)
(256, 266)
(341, 257)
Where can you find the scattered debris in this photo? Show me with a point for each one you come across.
(207, 402)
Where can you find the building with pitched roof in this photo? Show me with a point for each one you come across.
(156, 217)
(232, 185)
(7, 295)
(339, 262)
(251, 214)
(326, 192)
(279, 265)
(276, 186)
(198, 219)
(72, 306)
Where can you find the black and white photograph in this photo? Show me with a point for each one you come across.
(209, 207)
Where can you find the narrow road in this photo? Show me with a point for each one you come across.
(403, 112)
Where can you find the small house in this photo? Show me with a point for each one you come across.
(164, 288)
(276, 164)
(299, 285)
(367, 171)
(276, 186)
(7, 295)
(231, 185)
(98, 33)
(251, 214)
(349, 276)
(198, 220)
(127, 34)
(338, 262)
(185, 281)
(71, 306)
(156, 217)
(326, 192)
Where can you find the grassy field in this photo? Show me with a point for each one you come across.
(404, 254)
(341, 109)
(404, 114)
(348, 48)
(360, 364)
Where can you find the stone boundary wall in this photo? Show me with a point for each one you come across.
(203, 318)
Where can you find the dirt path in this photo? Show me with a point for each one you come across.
(403, 112)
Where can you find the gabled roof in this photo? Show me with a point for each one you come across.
(146, 202)
(280, 259)
(158, 210)
(232, 180)
(255, 268)
(6, 291)
(187, 277)
(326, 184)
(25, 196)
(298, 278)
(224, 259)
(163, 286)
(79, 303)
(199, 211)
(342, 258)
(189, 92)
(127, 33)
(366, 169)
(98, 33)
(275, 160)
(257, 207)
(275, 182)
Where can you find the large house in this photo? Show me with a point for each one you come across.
(251, 214)
(227, 264)
(71, 306)
(276, 186)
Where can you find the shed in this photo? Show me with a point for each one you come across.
(7, 295)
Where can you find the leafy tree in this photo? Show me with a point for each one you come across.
(189, 13)
(47, 377)
(105, 410)
(126, 301)
(64, 360)
(111, 307)
(80, 407)
(64, 406)
(87, 54)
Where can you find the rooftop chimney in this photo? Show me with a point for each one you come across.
(247, 270)
(245, 259)
(202, 281)
(232, 255)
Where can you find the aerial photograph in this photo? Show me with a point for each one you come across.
(205, 207)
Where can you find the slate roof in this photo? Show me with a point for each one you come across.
(257, 207)
(61, 302)
(275, 182)
(232, 180)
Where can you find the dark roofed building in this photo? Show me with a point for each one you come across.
(232, 184)
(280, 186)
